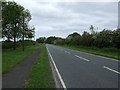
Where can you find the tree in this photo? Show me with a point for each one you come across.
(116, 38)
(103, 39)
(75, 34)
(73, 39)
(41, 40)
(15, 22)
(59, 41)
(51, 40)
(86, 39)
(11, 19)
(26, 17)
(29, 32)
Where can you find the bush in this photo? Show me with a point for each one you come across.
(7, 44)
(10, 44)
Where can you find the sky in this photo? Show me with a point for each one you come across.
(58, 18)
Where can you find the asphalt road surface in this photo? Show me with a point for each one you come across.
(82, 70)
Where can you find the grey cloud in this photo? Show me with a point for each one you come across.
(70, 17)
(63, 18)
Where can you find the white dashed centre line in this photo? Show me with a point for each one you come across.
(82, 58)
(111, 69)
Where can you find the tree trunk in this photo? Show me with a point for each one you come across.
(14, 42)
(23, 46)
(23, 42)
(8, 39)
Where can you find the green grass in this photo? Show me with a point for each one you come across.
(41, 75)
(11, 58)
(0, 58)
(108, 52)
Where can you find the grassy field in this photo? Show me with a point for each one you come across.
(11, 58)
(41, 75)
(108, 52)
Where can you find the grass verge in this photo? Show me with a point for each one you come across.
(41, 74)
(108, 52)
(11, 58)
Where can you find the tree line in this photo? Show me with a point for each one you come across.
(105, 38)
(15, 23)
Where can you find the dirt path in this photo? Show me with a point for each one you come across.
(17, 77)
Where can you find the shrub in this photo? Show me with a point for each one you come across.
(7, 44)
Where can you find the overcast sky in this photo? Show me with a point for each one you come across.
(63, 18)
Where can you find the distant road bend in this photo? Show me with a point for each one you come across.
(82, 70)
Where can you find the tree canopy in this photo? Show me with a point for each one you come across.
(105, 38)
(15, 22)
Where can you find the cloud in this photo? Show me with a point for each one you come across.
(63, 18)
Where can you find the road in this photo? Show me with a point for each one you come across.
(82, 70)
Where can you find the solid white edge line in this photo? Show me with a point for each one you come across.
(111, 69)
(93, 54)
(108, 58)
(67, 52)
(62, 82)
(82, 58)
(99, 56)
(55, 78)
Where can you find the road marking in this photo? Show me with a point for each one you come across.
(100, 56)
(82, 58)
(55, 78)
(111, 69)
(62, 82)
(108, 58)
(67, 52)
